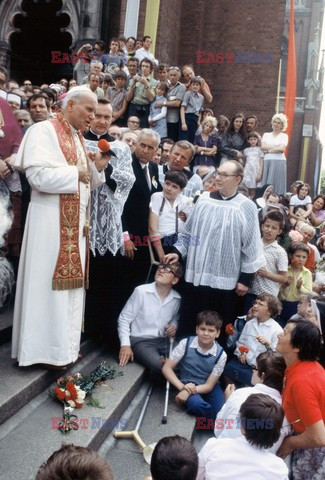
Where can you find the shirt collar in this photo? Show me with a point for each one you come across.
(96, 134)
(151, 288)
(268, 322)
(218, 196)
(211, 351)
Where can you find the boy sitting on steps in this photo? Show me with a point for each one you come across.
(150, 316)
(201, 361)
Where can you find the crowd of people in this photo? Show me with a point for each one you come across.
(123, 168)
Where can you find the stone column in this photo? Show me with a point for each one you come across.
(5, 54)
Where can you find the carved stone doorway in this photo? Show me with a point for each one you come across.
(38, 33)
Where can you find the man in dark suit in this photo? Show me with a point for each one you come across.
(136, 209)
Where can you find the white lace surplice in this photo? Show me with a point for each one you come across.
(106, 232)
(221, 239)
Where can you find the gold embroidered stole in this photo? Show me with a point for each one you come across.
(68, 271)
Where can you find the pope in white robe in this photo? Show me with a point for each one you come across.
(47, 322)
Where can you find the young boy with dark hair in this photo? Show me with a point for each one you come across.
(191, 109)
(200, 361)
(149, 317)
(261, 419)
(79, 463)
(116, 95)
(174, 458)
(274, 274)
(168, 211)
(258, 335)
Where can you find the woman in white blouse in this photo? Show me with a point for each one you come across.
(273, 145)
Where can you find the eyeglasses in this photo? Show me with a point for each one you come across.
(254, 368)
(223, 175)
(166, 268)
(134, 121)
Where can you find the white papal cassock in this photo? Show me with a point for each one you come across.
(47, 323)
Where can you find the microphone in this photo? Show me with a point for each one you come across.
(105, 147)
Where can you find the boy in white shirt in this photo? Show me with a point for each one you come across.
(149, 318)
(261, 419)
(259, 334)
(168, 211)
(270, 278)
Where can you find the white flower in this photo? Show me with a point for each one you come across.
(68, 409)
(81, 394)
(71, 403)
(2, 133)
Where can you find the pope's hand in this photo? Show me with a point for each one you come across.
(101, 160)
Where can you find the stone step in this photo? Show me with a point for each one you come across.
(19, 385)
(29, 433)
(125, 455)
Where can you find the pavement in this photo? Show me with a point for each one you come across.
(28, 415)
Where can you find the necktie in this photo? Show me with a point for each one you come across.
(146, 173)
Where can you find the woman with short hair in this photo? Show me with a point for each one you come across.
(273, 145)
(303, 399)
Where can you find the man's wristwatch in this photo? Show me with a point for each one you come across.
(165, 104)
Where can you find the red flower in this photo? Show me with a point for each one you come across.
(72, 390)
(60, 394)
(294, 261)
(243, 349)
(78, 405)
(230, 329)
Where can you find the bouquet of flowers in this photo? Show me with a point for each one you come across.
(73, 389)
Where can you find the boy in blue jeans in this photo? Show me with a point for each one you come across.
(200, 361)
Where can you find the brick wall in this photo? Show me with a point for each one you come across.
(168, 34)
(239, 26)
(142, 17)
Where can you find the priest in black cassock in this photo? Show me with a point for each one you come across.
(104, 298)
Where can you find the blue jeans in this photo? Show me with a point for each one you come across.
(206, 405)
(240, 373)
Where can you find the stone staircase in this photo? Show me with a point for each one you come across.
(28, 415)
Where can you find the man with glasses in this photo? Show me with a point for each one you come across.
(149, 318)
(133, 123)
(222, 245)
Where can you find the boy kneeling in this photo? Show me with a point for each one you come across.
(149, 316)
(201, 361)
